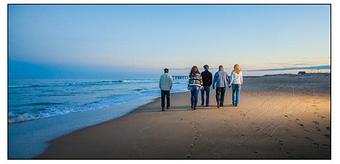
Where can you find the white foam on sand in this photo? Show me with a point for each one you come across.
(29, 139)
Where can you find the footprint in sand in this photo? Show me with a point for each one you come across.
(266, 134)
(316, 144)
(285, 116)
(309, 139)
(322, 117)
(326, 145)
(327, 135)
(256, 154)
(297, 119)
(317, 128)
(316, 123)
(243, 114)
(301, 125)
(289, 154)
(195, 138)
(281, 142)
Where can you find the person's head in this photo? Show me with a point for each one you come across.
(194, 70)
(206, 67)
(237, 68)
(220, 68)
(166, 70)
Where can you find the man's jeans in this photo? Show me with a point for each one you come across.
(220, 92)
(194, 95)
(167, 95)
(236, 94)
(205, 89)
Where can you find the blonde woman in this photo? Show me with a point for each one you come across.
(236, 82)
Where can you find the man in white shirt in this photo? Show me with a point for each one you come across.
(165, 84)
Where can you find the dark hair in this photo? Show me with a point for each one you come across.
(192, 70)
(220, 66)
(166, 70)
(206, 66)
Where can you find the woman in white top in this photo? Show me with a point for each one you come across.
(236, 82)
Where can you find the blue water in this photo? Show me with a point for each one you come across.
(43, 109)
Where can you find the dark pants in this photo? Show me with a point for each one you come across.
(205, 89)
(167, 95)
(220, 91)
(194, 95)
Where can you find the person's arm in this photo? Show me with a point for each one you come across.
(201, 81)
(214, 80)
(227, 78)
(189, 81)
(232, 78)
(241, 78)
(170, 82)
(160, 79)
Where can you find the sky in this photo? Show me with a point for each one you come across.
(112, 38)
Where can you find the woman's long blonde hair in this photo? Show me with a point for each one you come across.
(237, 68)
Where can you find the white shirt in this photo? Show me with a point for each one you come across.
(236, 78)
(165, 82)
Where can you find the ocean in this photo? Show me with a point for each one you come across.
(43, 109)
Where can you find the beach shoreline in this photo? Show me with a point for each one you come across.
(288, 122)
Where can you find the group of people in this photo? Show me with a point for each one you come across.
(203, 82)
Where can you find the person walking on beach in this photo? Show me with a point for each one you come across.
(207, 81)
(195, 84)
(165, 84)
(236, 82)
(220, 83)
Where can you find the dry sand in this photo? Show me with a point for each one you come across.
(279, 117)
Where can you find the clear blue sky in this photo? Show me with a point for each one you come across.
(131, 37)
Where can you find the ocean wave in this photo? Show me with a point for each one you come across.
(57, 109)
(37, 104)
(14, 117)
(49, 108)
(139, 81)
(103, 82)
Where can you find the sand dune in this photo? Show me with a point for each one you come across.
(279, 117)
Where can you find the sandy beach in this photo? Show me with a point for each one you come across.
(280, 117)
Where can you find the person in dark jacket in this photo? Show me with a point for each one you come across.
(207, 81)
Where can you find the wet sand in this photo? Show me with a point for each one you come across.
(280, 117)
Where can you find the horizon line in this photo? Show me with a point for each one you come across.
(277, 69)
